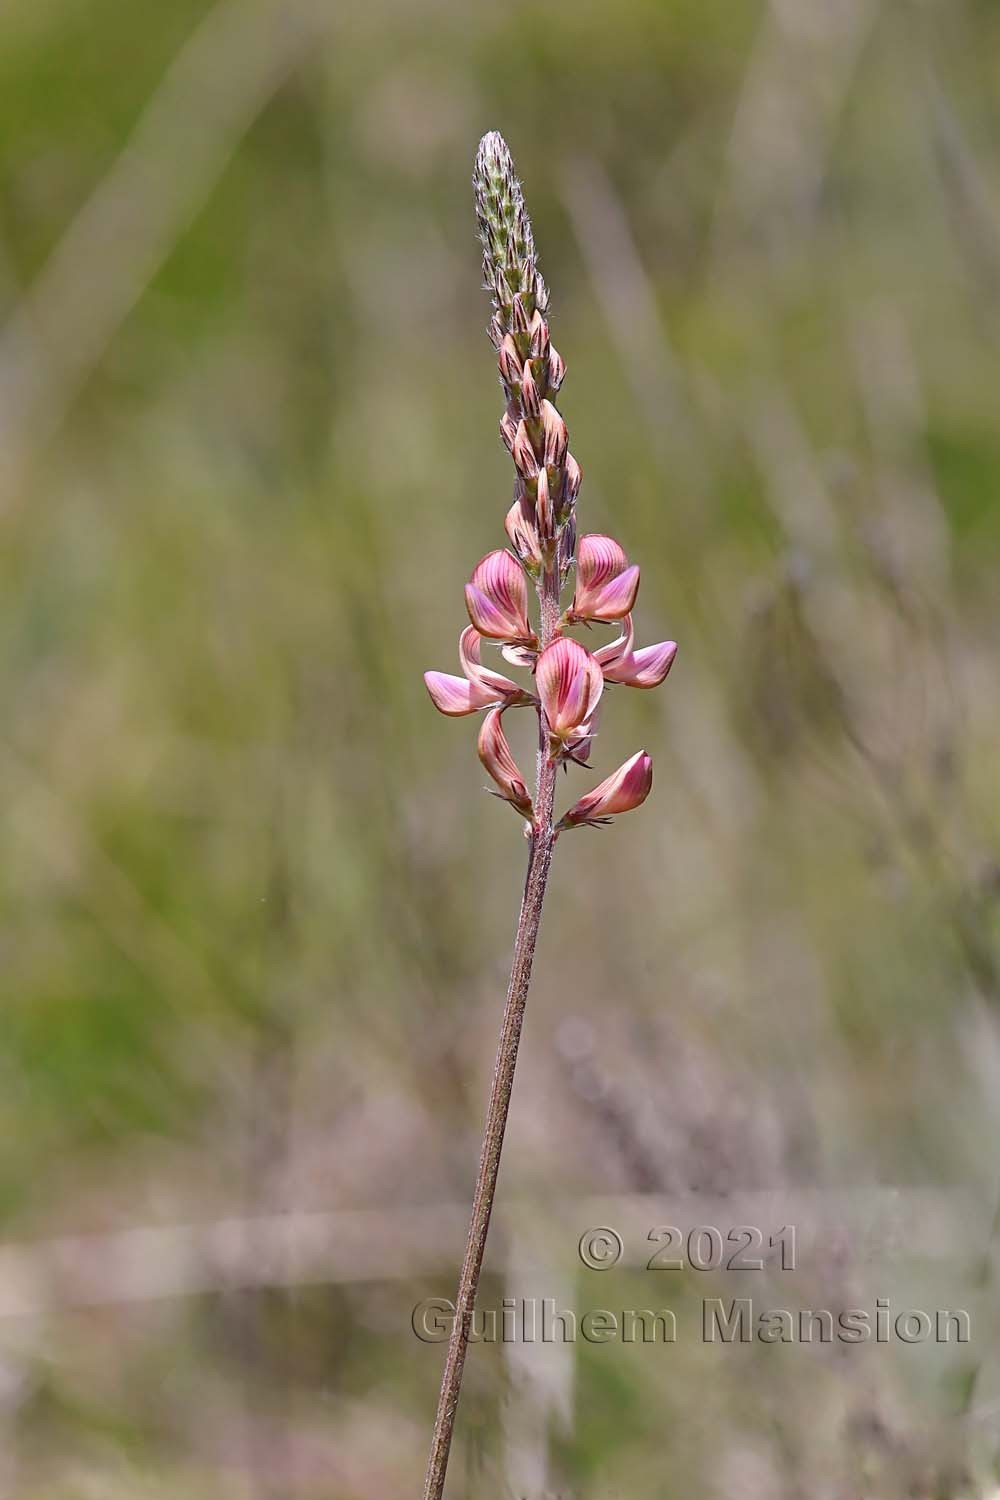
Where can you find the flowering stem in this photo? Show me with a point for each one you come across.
(542, 840)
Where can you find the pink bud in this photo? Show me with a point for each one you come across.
(509, 362)
(557, 369)
(519, 314)
(523, 453)
(508, 427)
(519, 524)
(539, 346)
(494, 752)
(554, 435)
(544, 513)
(624, 789)
(570, 684)
(572, 481)
(497, 599)
(530, 404)
(645, 668)
(605, 584)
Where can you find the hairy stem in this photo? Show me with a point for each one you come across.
(539, 861)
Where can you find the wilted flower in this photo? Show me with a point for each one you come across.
(645, 668)
(494, 752)
(605, 584)
(624, 789)
(497, 600)
(570, 684)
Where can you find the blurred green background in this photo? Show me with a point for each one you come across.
(257, 911)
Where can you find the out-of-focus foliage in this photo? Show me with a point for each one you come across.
(256, 910)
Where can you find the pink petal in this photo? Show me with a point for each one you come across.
(617, 652)
(494, 683)
(497, 599)
(569, 683)
(599, 558)
(455, 696)
(624, 789)
(605, 584)
(614, 599)
(651, 664)
(494, 752)
(519, 525)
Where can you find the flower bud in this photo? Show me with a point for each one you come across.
(509, 362)
(555, 436)
(523, 453)
(519, 524)
(572, 479)
(605, 584)
(624, 789)
(494, 752)
(539, 346)
(497, 600)
(519, 319)
(557, 370)
(530, 404)
(544, 512)
(508, 427)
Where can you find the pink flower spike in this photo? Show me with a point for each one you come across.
(645, 668)
(494, 752)
(497, 600)
(570, 684)
(624, 789)
(605, 584)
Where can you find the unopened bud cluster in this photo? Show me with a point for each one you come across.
(568, 680)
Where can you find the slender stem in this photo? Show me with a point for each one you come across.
(539, 861)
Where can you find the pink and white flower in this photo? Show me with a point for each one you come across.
(479, 688)
(569, 683)
(605, 584)
(624, 789)
(494, 752)
(497, 600)
(645, 668)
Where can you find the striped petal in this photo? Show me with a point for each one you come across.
(569, 683)
(497, 599)
(605, 584)
(624, 789)
(494, 752)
